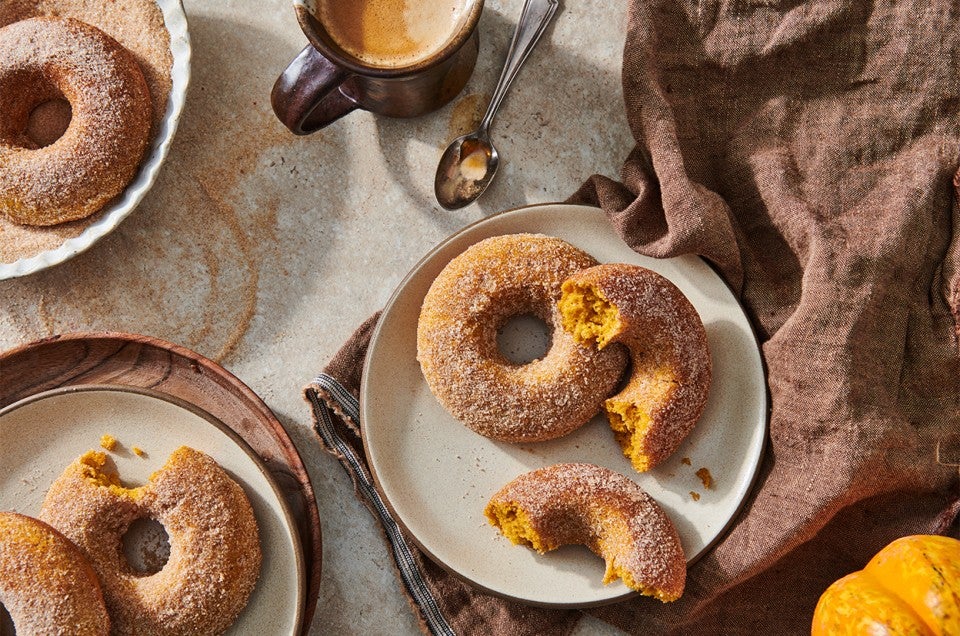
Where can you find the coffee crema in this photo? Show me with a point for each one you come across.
(392, 33)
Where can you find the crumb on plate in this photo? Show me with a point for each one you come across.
(108, 442)
(705, 477)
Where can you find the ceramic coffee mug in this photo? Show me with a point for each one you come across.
(399, 58)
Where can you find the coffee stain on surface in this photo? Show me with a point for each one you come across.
(212, 264)
(465, 116)
(251, 225)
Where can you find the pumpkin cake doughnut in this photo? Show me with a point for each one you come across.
(214, 542)
(46, 584)
(671, 370)
(43, 59)
(585, 504)
(469, 301)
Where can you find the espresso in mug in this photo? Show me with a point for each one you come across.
(392, 33)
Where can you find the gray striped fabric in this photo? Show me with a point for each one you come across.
(402, 553)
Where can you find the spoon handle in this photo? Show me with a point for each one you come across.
(533, 22)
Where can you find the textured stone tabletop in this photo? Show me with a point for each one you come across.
(264, 251)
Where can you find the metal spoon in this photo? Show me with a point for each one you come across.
(469, 162)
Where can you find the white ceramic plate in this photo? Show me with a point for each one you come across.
(41, 435)
(176, 22)
(437, 475)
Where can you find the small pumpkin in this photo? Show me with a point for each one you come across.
(911, 587)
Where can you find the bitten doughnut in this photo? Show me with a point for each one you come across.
(474, 296)
(46, 584)
(214, 543)
(670, 378)
(42, 59)
(584, 504)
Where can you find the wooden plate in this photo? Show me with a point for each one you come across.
(127, 360)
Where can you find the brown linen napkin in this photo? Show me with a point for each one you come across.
(808, 151)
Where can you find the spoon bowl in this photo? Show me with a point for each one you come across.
(466, 168)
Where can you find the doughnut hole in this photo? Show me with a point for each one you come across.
(37, 114)
(146, 546)
(6, 623)
(524, 338)
(48, 121)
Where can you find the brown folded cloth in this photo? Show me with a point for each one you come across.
(808, 150)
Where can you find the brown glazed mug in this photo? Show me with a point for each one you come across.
(325, 82)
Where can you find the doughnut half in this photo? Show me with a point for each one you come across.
(46, 584)
(585, 504)
(214, 541)
(671, 370)
(469, 301)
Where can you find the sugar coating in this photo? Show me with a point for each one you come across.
(215, 551)
(46, 584)
(670, 361)
(585, 504)
(98, 155)
(475, 294)
(138, 25)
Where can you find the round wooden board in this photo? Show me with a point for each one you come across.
(141, 361)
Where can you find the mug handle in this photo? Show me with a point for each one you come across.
(306, 96)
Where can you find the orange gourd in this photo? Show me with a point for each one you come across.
(911, 587)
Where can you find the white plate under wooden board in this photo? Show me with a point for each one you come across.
(41, 435)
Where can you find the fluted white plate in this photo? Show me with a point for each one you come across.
(176, 22)
(437, 475)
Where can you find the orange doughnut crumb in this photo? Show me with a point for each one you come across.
(108, 442)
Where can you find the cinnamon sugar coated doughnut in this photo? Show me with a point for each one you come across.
(215, 553)
(43, 59)
(671, 369)
(46, 584)
(474, 296)
(584, 504)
